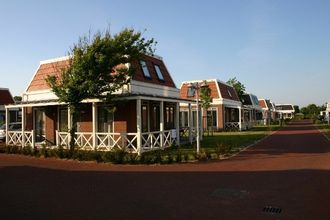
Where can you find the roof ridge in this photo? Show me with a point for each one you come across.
(53, 60)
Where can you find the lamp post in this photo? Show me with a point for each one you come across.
(196, 87)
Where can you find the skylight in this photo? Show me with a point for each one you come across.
(159, 73)
(229, 93)
(145, 69)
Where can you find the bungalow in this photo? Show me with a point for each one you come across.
(224, 113)
(5, 99)
(252, 112)
(286, 111)
(326, 113)
(146, 118)
(269, 112)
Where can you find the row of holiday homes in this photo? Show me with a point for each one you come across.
(152, 113)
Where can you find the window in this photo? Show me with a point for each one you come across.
(63, 122)
(229, 93)
(212, 118)
(155, 118)
(159, 73)
(169, 117)
(105, 119)
(184, 118)
(145, 69)
(194, 117)
(191, 92)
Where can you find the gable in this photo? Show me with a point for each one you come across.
(228, 92)
(51, 68)
(54, 67)
(151, 64)
(262, 103)
(246, 99)
(212, 85)
(5, 97)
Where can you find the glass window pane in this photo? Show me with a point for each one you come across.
(63, 120)
(145, 69)
(191, 92)
(159, 73)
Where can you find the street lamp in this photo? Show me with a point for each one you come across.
(196, 87)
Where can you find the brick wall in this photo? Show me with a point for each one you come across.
(29, 118)
(125, 117)
(85, 118)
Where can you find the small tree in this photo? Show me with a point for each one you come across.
(205, 96)
(238, 86)
(96, 69)
(17, 98)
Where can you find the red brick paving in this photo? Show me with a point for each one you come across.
(289, 170)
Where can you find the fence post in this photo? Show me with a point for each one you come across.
(33, 141)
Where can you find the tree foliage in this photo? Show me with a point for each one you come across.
(97, 68)
(205, 96)
(17, 98)
(92, 61)
(312, 111)
(238, 86)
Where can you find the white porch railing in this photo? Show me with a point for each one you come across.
(62, 139)
(16, 138)
(232, 125)
(84, 140)
(157, 140)
(247, 125)
(110, 141)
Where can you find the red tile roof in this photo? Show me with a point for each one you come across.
(54, 68)
(212, 85)
(262, 103)
(151, 62)
(5, 97)
(226, 91)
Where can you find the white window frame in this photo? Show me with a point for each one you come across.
(145, 69)
(160, 75)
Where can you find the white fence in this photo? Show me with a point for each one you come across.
(232, 126)
(16, 138)
(102, 141)
(109, 141)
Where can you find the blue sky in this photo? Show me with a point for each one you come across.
(279, 49)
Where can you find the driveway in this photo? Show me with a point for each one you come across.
(286, 176)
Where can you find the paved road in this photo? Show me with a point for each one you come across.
(289, 170)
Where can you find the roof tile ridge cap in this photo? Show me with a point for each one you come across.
(54, 60)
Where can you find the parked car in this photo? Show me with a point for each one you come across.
(14, 126)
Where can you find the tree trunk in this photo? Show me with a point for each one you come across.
(73, 128)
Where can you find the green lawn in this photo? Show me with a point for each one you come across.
(230, 142)
(324, 128)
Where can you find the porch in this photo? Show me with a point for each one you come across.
(233, 118)
(140, 124)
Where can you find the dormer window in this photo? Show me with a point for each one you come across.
(145, 69)
(159, 73)
(191, 91)
(229, 93)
